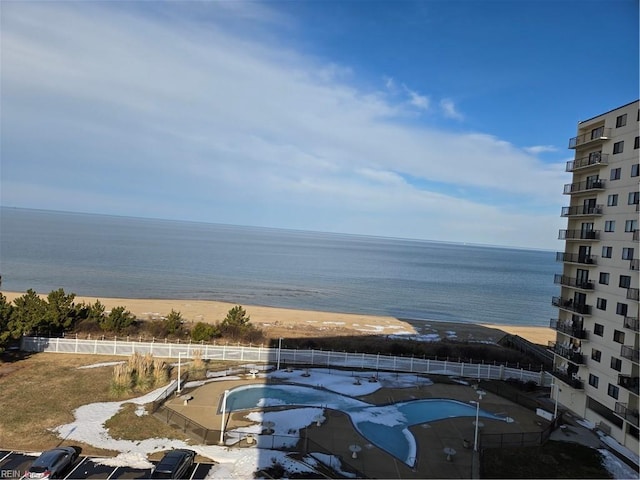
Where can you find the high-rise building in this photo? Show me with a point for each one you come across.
(596, 352)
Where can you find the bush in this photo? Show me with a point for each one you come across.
(203, 332)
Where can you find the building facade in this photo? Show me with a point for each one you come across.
(596, 352)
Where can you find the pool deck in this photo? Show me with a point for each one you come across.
(337, 433)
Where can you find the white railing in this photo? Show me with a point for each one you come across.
(285, 357)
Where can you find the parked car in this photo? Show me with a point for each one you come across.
(52, 463)
(174, 464)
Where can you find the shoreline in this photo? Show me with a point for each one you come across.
(278, 321)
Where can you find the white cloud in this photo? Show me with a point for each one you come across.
(106, 110)
(417, 100)
(390, 84)
(537, 149)
(449, 109)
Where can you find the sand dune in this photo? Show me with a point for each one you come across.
(304, 323)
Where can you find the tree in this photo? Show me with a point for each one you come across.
(5, 315)
(173, 322)
(62, 314)
(28, 314)
(118, 320)
(96, 311)
(236, 317)
(237, 324)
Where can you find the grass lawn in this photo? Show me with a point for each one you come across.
(41, 391)
(553, 460)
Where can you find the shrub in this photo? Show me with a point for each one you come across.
(203, 332)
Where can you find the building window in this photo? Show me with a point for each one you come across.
(616, 364)
(593, 380)
(618, 147)
(625, 281)
(631, 225)
(604, 278)
(621, 309)
(607, 252)
(615, 173)
(627, 253)
(612, 200)
(618, 336)
(634, 169)
(613, 391)
(610, 226)
(636, 143)
(633, 198)
(621, 121)
(598, 329)
(596, 355)
(597, 133)
(601, 303)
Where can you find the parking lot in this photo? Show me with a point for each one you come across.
(14, 464)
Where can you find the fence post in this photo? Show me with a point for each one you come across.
(95, 346)
(115, 345)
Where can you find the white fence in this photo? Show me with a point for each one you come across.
(285, 357)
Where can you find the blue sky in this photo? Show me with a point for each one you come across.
(438, 120)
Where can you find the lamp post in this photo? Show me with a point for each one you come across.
(179, 357)
(475, 438)
(557, 394)
(279, 349)
(224, 409)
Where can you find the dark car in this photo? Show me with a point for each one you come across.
(52, 463)
(174, 464)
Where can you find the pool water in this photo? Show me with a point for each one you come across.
(385, 426)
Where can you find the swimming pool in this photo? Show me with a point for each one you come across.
(385, 426)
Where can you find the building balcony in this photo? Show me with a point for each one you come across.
(581, 211)
(569, 379)
(630, 353)
(588, 161)
(567, 304)
(576, 258)
(579, 235)
(634, 264)
(582, 187)
(567, 353)
(596, 135)
(568, 329)
(632, 323)
(573, 282)
(630, 383)
(633, 294)
(629, 414)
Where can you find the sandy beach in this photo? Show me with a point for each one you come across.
(285, 322)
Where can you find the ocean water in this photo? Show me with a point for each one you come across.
(109, 256)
